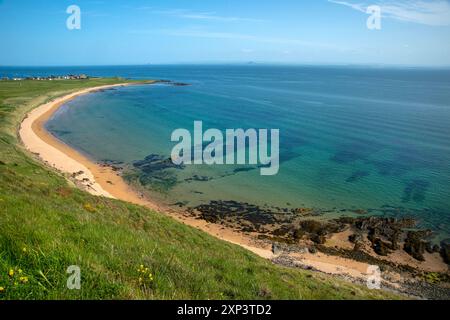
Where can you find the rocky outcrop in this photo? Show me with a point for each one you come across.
(415, 245)
(445, 250)
(385, 234)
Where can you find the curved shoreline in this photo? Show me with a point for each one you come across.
(104, 181)
(94, 178)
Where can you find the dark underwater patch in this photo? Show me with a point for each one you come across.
(60, 133)
(406, 161)
(357, 175)
(391, 167)
(360, 150)
(238, 170)
(415, 190)
(155, 172)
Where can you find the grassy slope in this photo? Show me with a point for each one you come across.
(47, 225)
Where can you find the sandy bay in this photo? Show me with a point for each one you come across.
(102, 180)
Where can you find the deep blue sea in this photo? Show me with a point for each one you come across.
(351, 138)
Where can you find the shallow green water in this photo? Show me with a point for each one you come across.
(350, 138)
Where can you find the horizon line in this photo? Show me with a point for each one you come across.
(248, 63)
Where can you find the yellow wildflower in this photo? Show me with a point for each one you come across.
(11, 272)
(23, 279)
(88, 207)
(2, 289)
(24, 249)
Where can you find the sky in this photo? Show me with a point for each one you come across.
(113, 32)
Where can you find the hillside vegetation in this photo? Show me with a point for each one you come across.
(124, 251)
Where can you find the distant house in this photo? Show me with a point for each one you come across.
(51, 78)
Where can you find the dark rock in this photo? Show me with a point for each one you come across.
(248, 229)
(429, 247)
(311, 226)
(445, 250)
(358, 246)
(355, 238)
(395, 237)
(390, 229)
(312, 249)
(239, 212)
(298, 234)
(380, 247)
(346, 220)
(155, 172)
(360, 211)
(415, 245)
(319, 239)
(198, 178)
(320, 228)
(301, 210)
(282, 231)
(276, 248)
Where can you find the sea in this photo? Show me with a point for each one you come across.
(354, 140)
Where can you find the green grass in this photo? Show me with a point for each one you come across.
(47, 225)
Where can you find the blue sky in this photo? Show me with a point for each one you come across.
(414, 32)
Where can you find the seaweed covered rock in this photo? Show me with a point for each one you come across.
(320, 228)
(298, 234)
(276, 248)
(317, 231)
(430, 248)
(355, 238)
(445, 250)
(318, 239)
(385, 234)
(381, 247)
(415, 244)
(155, 172)
(386, 227)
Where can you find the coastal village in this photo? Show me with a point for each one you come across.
(49, 78)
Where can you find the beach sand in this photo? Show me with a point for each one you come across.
(103, 181)
(96, 179)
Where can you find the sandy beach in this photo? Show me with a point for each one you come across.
(94, 178)
(103, 181)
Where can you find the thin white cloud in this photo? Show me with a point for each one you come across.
(207, 16)
(355, 6)
(431, 12)
(202, 33)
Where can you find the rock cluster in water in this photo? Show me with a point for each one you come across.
(155, 172)
(290, 226)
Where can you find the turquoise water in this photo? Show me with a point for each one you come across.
(350, 138)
